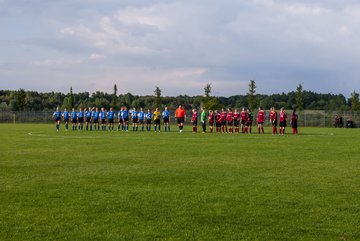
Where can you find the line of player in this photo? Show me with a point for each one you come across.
(225, 121)
(95, 119)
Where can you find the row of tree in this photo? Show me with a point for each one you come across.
(22, 100)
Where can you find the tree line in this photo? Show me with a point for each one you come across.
(22, 100)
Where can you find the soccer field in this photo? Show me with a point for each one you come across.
(178, 186)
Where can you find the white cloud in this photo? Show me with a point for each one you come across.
(181, 45)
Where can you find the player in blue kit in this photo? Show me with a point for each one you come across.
(103, 119)
(135, 120)
(148, 117)
(66, 117)
(88, 114)
(166, 118)
(111, 118)
(120, 122)
(141, 116)
(81, 116)
(95, 117)
(73, 119)
(57, 116)
(125, 119)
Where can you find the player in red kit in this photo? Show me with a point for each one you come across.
(218, 121)
(282, 118)
(236, 117)
(249, 120)
(273, 120)
(294, 122)
(260, 120)
(230, 120)
(243, 116)
(194, 121)
(223, 121)
(211, 119)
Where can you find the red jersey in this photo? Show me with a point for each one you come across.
(261, 116)
(273, 116)
(211, 118)
(283, 116)
(243, 115)
(236, 116)
(229, 116)
(218, 117)
(194, 117)
(294, 117)
(223, 116)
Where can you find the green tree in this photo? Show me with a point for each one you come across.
(114, 98)
(251, 95)
(299, 97)
(157, 101)
(355, 103)
(207, 90)
(71, 100)
(21, 99)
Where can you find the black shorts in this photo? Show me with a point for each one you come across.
(96, 121)
(194, 123)
(157, 122)
(211, 123)
(180, 120)
(274, 123)
(243, 122)
(111, 121)
(230, 123)
(135, 120)
(166, 120)
(236, 123)
(260, 123)
(282, 123)
(81, 120)
(218, 124)
(88, 119)
(66, 120)
(294, 124)
(223, 122)
(57, 119)
(103, 121)
(148, 121)
(141, 121)
(249, 123)
(126, 119)
(74, 121)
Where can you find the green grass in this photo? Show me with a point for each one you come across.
(172, 186)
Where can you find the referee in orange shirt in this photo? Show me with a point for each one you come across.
(180, 115)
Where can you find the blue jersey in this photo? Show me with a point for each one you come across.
(120, 114)
(111, 115)
(57, 114)
(148, 116)
(141, 115)
(88, 114)
(73, 115)
(66, 115)
(103, 115)
(96, 115)
(81, 114)
(134, 114)
(166, 114)
(125, 114)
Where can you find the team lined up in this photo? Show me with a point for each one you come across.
(231, 122)
(93, 119)
(225, 121)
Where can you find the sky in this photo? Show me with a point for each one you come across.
(180, 46)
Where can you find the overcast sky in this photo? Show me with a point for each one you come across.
(180, 45)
